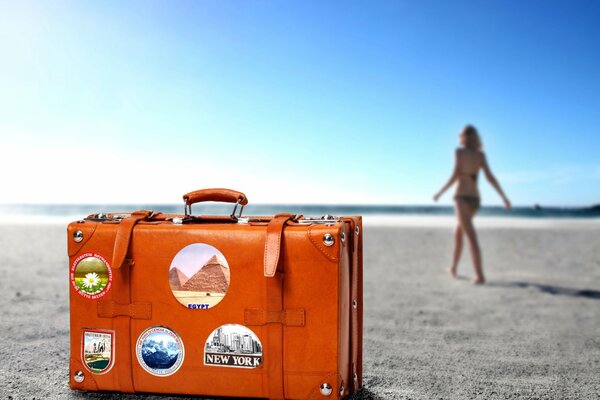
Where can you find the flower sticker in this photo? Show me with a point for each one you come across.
(91, 277)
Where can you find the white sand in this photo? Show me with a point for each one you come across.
(532, 333)
(424, 221)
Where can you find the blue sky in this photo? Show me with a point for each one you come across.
(310, 102)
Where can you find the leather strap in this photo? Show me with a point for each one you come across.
(273, 243)
(110, 309)
(274, 354)
(122, 295)
(273, 285)
(289, 317)
(123, 238)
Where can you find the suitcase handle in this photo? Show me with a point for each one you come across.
(220, 195)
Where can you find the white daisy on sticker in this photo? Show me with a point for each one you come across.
(91, 279)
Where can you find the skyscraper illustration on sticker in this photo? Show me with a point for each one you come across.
(199, 276)
(233, 345)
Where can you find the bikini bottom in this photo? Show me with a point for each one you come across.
(474, 202)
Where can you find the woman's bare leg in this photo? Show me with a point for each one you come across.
(458, 246)
(465, 216)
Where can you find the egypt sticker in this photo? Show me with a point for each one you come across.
(233, 345)
(160, 351)
(97, 350)
(91, 275)
(199, 276)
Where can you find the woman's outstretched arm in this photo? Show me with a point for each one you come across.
(493, 181)
(450, 181)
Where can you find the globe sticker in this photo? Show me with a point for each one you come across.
(97, 350)
(233, 345)
(160, 351)
(199, 276)
(91, 275)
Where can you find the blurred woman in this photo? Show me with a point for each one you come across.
(469, 159)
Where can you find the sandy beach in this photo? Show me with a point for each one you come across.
(533, 332)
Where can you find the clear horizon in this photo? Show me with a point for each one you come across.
(492, 205)
(296, 103)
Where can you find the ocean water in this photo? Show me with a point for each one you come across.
(78, 211)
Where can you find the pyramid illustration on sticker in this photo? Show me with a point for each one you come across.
(212, 278)
(199, 276)
(177, 278)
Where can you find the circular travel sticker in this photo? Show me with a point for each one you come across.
(97, 350)
(91, 275)
(199, 276)
(160, 351)
(233, 345)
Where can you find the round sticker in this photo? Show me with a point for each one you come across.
(199, 276)
(233, 345)
(160, 351)
(91, 275)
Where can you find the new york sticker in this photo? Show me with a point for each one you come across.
(97, 350)
(233, 345)
(160, 351)
(91, 275)
(199, 276)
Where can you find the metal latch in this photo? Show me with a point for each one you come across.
(103, 217)
(324, 219)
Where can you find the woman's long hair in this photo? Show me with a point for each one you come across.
(472, 139)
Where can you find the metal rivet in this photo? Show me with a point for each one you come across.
(343, 237)
(357, 230)
(326, 389)
(328, 239)
(355, 377)
(78, 376)
(78, 236)
(342, 391)
(354, 304)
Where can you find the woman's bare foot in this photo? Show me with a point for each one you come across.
(452, 272)
(479, 280)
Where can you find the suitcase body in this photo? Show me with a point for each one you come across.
(253, 307)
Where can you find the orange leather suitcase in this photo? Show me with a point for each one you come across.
(232, 306)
